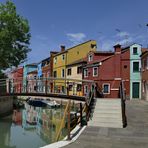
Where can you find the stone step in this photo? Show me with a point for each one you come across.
(107, 107)
(107, 115)
(107, 111)
(106, 124)
(106, 119)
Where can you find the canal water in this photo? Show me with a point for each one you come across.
(31, 127)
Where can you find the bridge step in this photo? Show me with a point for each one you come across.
(107, 113)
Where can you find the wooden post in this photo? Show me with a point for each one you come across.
(68, 124)
(81, 116)
(46, 86)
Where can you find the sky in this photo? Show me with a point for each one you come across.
(70, 22)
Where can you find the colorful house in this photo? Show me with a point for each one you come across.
(135, 74)
(144, 72)
(16, 77)
(66, 57)
(74, 72)
(27, 68)
(108, 69)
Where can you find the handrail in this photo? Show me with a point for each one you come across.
(123, 105)
(62, 121)
(86, 107)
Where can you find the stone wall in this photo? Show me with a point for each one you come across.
(6, 106)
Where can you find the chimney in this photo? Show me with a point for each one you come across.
(117, 61)
(62, 48)
(117, 49)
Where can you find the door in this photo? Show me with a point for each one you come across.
(135, 90)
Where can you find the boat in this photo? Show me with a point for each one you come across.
(36, 103)
(52, 104)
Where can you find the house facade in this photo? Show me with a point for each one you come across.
(75, 75)
(135, 51)
(17, 79)
(27, 69)
(66, 57)
(144, 72)
(107, 69)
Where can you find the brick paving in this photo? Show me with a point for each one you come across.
(135, 135)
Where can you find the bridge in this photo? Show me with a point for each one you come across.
(49, 87)
(60, 88)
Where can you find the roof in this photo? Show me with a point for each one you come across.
(47, 59)
(72, 47)
(144, 50)
(32, 72)
(81, 61)
(104, 52)
(96, 62)
(32, 64)
(128, 45)
(144, 54)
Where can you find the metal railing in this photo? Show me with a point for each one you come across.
(123, 103)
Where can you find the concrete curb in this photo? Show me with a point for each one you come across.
(65, 142)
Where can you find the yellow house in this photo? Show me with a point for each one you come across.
(74, 72)
(66, 57)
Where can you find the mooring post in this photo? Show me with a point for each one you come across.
(68, 124)
(81, 124)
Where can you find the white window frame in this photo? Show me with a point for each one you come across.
(85, 86)
(55, 60)
(108, 88)
(133, 66)
(133, 51)
(62, 73)
(94, 72)
(85, 74)
(70, 73)
(90, 59)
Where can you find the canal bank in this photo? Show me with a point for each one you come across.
(135, 135)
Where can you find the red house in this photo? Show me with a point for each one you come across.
(17, 78)
(107, 69)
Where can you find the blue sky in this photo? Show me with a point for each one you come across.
(69, 22)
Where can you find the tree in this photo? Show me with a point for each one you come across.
(14, 36)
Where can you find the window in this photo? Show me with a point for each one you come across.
(106, 88)
(85, 72)
(70, 87)
(63, 73)
(79, 87)
(135, 66)
(90, 57)
(85, 89)
(79, 70)
(63, 57)
(55, 74)
(135, 51)
(55, 60)
(125, 66)
(69, 71)
(95, 71)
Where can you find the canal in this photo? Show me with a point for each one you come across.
(31, 127)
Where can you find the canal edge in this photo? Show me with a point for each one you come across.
(65, 142)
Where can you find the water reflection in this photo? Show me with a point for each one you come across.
(31, 127)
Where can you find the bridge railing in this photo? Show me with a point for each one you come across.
(123, 103)
(48, 85)
(3, 86)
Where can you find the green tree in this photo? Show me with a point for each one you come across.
(14, 36)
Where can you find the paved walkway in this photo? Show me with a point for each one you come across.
(135, 135)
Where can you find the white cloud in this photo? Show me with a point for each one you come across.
(76, 38)
(122, 34)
